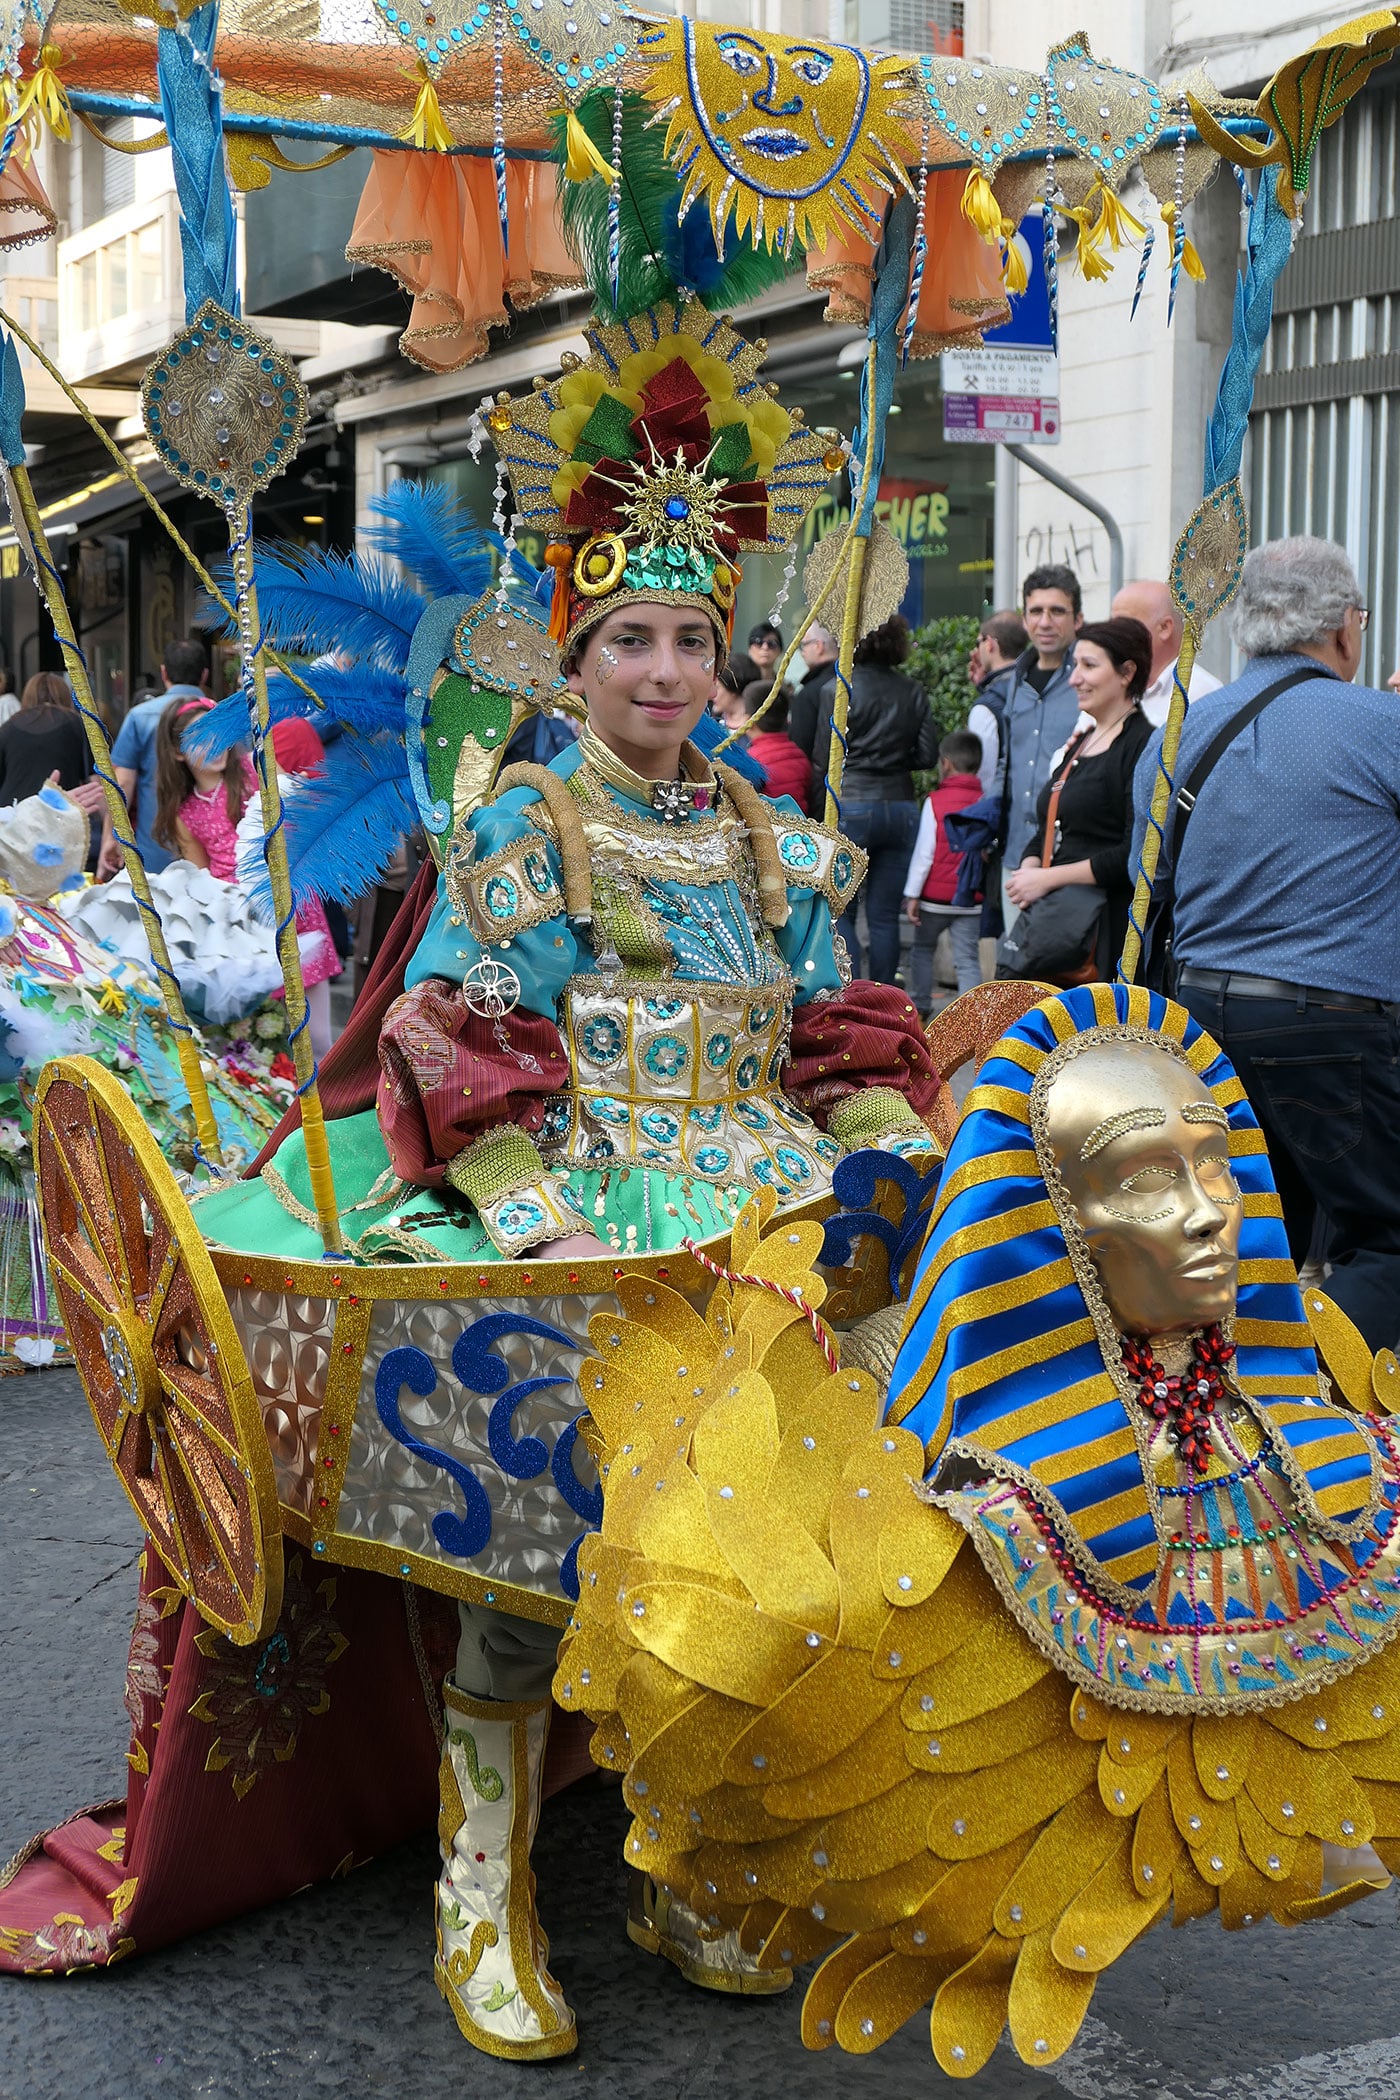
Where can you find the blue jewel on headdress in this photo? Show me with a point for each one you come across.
(677, 507)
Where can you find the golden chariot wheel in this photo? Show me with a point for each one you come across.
(156, 1348)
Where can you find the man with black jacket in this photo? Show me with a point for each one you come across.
(890, 736)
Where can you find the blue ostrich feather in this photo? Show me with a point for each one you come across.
(315, 603)
(421, 524)
(344, 825)
(356, 695)
(708, 734)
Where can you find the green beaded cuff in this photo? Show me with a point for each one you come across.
(495, 1163)
(513, 1193)
(872, 1114)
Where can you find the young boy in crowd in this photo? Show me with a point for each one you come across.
(935, 871)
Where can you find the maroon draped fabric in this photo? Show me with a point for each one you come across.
(868, 1035)
(253, 1771)
(448, 1074)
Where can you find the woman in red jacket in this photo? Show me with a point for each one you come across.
(788, 768)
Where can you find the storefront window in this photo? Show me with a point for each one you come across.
(937, 499)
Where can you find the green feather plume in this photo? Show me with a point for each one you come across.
(656, 256)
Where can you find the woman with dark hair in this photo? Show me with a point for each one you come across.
(890, 735)
(1085, 811)
(45, 739)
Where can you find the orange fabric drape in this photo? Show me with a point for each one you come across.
(431, 221)
(25, 212)
(961, 294)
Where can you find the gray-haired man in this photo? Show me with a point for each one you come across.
(1287, 906)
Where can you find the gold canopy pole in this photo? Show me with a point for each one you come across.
(24, 507)
(850, 617)
(313, 1121)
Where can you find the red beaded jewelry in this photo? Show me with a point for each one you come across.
(1186, 1401)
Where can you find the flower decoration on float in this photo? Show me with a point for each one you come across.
(653, 464)
(791, 134)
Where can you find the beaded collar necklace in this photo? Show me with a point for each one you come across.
(1187, 1400)
(670, 799)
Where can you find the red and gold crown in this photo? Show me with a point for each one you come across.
(654, 463)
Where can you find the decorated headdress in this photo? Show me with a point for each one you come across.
(653, 464)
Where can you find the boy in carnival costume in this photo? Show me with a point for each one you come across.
(628, 1014)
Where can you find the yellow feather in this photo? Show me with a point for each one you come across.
(1222, 1749)
(815, 1448)
(994, 1666)
(1273, 1854)
(831, 1703)
(988, 1809)
(918, 1546)
(1047, 2004)
(875, 1487)
(1107, 1916)
(880, 2001)
(784, 1571)
(900, 1892)
(831, 1983)
(990, 1739)
(970, 2009)
(861, 1769)
(717, 1641)
(582, 158)
(796, 1937)
(1158, 1848)
(880, 1834)
(1124, 1788)
(964, 1602)
(1063, 1860)
(959, 1913)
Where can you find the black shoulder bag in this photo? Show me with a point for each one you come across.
(1160, 933)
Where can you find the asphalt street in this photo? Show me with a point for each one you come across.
(331, 1993)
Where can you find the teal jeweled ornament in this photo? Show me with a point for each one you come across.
(579, 46)
(224, 409)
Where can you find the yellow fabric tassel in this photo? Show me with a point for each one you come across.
(1013, 267)
(1190, 254)
(981, 207)
(582, 159)
(1093, 265)
(428, 130)
(1116, 223)
(45, 96)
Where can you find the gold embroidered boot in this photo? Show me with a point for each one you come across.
(491, 1953)
(662, 1924)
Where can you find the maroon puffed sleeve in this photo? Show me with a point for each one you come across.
(867, 1035)
(445, 1076)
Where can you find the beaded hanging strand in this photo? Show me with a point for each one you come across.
(498, 118)
(1178, 204)
(916, 280)
(615, 195)
(1049, 235)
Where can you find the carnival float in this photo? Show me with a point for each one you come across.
(347, 1376)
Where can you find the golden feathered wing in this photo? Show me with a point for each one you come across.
(836, 1738)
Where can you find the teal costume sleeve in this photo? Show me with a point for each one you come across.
(516, 884)
(805, 943)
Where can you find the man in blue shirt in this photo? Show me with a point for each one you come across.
(1287, 913)
(1041, 706)
(185, 670)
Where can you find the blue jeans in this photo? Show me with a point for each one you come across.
(1325, 1085)
(886, 831)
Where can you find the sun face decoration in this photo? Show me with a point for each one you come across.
(793, 133)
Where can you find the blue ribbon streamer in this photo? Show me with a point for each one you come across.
(1270, 243)
(191, 100)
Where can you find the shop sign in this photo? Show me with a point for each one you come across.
(1000, 395)
(915, 511)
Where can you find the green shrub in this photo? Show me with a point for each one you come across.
(938, 662)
